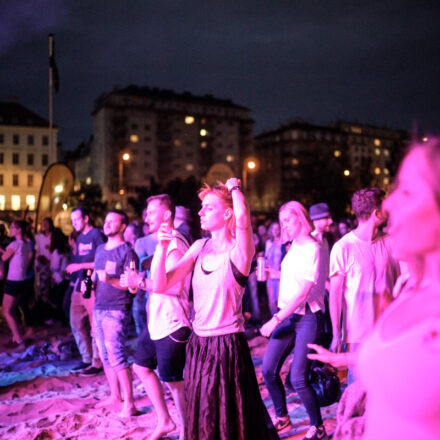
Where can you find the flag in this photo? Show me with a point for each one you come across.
(52, 64)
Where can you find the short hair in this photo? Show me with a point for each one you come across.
(222, 192)
(365, 201)
(83, 210)
(301, 212)
(165, 200)
(121, 213)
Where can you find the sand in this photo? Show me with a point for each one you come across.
(41, 400)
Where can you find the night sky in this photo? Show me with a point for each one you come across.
(374, 62)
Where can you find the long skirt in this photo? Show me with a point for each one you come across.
(223, 398)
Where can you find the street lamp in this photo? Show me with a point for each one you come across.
(123, 158)
(250, 165)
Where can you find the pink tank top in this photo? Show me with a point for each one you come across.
(217, 299)
(402, 379)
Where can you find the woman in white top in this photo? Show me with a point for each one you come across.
(301, 302)
(399, 362)
(18, 253)
(223, 399)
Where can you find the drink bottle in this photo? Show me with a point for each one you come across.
(89, 284)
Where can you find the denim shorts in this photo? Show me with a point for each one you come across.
(111, 336)
(168, 354)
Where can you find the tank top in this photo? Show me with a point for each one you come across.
(401, 376)
(217, 298)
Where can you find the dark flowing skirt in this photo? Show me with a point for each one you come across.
(223, 401)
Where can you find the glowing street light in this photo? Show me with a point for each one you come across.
(123, 158)
(250, 165)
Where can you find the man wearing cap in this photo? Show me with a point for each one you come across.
(322, 219)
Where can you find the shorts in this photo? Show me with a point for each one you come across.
(16, 288)
(168, 354)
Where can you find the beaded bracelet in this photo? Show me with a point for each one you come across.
(234, 188)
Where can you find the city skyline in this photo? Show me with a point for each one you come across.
(372, 63)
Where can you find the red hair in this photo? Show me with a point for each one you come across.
(222, 192)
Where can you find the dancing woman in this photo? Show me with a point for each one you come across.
(223, 399)
(398, 363)
(301, 302)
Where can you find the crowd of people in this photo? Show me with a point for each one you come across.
(361, 294)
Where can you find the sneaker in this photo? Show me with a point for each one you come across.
(81, 366)
(91, 371)
(283, 424)
(316, 433)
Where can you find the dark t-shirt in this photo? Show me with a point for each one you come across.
(86, 245)
(114, 262)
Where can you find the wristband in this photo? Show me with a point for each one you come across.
(234, 188)
(277, 318)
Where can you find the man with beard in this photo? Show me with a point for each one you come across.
(162, 344)
(112, 311)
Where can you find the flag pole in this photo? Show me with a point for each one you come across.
(51, 84)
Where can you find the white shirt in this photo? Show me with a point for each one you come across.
(169, 311)
(301, 263)
(369, 270)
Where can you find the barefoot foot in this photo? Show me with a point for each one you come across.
(162, 429)
(128, 411)
(110, 402)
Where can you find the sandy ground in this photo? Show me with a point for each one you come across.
(41, 400)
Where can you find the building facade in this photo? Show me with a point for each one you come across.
(25, 154)
(311, 163)
(141, 135)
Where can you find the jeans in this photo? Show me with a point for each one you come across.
(293, 333)
(140, 311)
(81, 322)
(111, 337)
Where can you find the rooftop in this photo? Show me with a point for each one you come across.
(15, 114)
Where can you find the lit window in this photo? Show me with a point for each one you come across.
(295, 161)
(386, 181)
(88, 180)
(203, 144)
(377, 142)
(15, 203)
(337, 153)
(177, 143)
(377, 171)
(2, 202)
(229, 158)
(189, 167)
(377, 151)
(134, 138)
(189, 120)
(346, 172)
(386, 171)
(386, 152)
(30, 202)
(203, 132)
